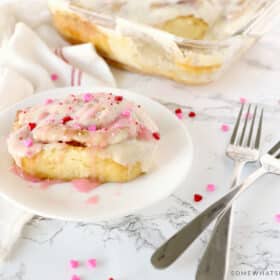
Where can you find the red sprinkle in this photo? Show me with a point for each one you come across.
(32, 126)
(111, 278)
(66, 119)
(197, 197)
(192, 114)
(156, 135)
(54, 77)
(178, 111)
(118, 98)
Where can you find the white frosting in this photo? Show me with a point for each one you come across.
(113, 126)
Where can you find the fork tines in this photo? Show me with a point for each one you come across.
(273, 151)
(253, 117)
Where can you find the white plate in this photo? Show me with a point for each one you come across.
(115, 199)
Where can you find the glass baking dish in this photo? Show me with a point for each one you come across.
(140, 47)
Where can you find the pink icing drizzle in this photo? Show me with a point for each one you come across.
(81, 185)
(93, 200)
(45, 184)
(20, 173)
(85, 185)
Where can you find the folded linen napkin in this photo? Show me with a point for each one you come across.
(33, 57)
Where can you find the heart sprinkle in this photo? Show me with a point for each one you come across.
(179, 113)
(92, 128)
(248, 116)
(210, 187)
(74, 263)
(32, 126)
(243, 100)
(277, 218)
(66, 119)
(88, 97)
(192, 114)
(118, 98)
(28, 142)
(75, 277)
(54, 77)
(197, 197)
(92, 263)
(126, 113)
(225, 127)
(156, 135)
(48, 101)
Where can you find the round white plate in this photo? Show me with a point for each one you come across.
(62, 201)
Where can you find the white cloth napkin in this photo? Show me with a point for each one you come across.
(33, 57)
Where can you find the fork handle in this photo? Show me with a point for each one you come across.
(214, 262)
(178, 243)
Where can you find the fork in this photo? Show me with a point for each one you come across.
(178, 243)
(214, 262)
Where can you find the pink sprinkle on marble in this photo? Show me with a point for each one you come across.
(28, 142)
(126, 113)
(92, 263)
(93, 200)
(243, 100)
(92, 128)
(210, 187)
(46, 184)
(88, 97)
(84, 185)
(75, 277)
(48, 101)
(248, 116)
(277, 218)
(54, 77)
(225, 127)
(74, 263)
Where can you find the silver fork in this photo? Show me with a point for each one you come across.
(242, 150)
(178, 243)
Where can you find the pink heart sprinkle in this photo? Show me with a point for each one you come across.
(179, 116)
(92, 128)
(126, 113)
(74, 263)
(243, 100)
(88, 97)
(248, 116)
(225, 127)
(210, 187)
(75, 277)
(28, 142)
(48, 101)
(54, 77)
(277, 218)
(92, 263)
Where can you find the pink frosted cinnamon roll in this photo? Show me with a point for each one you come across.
(96, 136)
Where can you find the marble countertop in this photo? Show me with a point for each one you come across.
(123, 247)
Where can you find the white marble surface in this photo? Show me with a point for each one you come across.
(123, 247)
